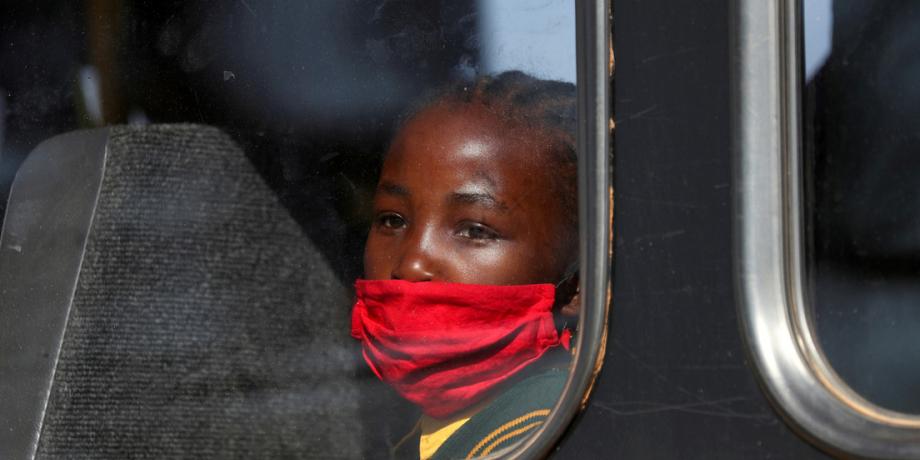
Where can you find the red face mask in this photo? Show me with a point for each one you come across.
(445, 346)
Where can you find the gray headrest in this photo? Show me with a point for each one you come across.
(161, 302)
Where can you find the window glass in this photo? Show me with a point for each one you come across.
(313, 229)
(861, 107)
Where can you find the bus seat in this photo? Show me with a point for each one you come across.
(158, 301)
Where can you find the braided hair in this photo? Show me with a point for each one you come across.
(544, 106)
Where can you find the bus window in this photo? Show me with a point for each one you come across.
(824, 232)
(862, 125)
(301, 229)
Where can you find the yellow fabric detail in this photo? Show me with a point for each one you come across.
(507, 426)
(435, 432)
(521, 430)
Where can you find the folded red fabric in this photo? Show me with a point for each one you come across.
(445, 346)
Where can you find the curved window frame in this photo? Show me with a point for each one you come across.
(595, 214)
(775, 310)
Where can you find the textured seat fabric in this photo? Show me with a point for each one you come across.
(204, 322)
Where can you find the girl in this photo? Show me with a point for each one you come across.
(469, 263)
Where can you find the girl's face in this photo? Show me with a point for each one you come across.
(466, 198)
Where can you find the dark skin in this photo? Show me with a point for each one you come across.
(465, 197)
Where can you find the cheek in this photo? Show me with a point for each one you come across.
(552, 241)
(377, 259)
(500, 264)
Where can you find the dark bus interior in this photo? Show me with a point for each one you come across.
(277, 113)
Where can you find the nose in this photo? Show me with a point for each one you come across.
(416, 262)
(413, 270)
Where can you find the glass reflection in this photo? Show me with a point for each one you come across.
(862, 113)
(476, 193)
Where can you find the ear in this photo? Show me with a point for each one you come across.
(573, 307)
(569, 300)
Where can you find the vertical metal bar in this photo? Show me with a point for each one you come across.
(592, 28)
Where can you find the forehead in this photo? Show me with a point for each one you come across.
(468, 143)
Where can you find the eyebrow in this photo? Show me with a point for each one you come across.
(393, 189)
(478, 198)
(471, 197)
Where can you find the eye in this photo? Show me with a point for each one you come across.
(477, 231)
(390, 221)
